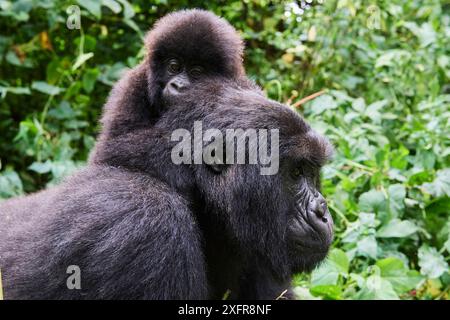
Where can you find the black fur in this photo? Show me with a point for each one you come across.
(141, 227)
(196, 37)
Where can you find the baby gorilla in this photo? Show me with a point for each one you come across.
(182, 48)
(186, 46)
(139, 226)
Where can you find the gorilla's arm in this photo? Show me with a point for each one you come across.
(130, 234)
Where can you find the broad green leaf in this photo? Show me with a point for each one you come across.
(401, 278)
(377, 288)
(432, 263)
(372, 201)
(368, 246)
(89, 79)
(336, 264)
(62, 111)
(359, 105)
(94, 7)
(41, 167)
(322, 103)
(391, 57)
(44, 87)
(447, 245)
(113, 5)
(397, 229)
(128, 11)
(10, 183)
(425, 32)
(441, 185)
(397, 194)
(16, 90)
(13, 59)
(327, 292)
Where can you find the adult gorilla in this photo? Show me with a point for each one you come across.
(141, 227)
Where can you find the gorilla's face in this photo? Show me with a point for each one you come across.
(178, 77)
(310, 225)
(280, 220)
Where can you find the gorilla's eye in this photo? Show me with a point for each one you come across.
(297, 172)
(196, 72)
(174, 66)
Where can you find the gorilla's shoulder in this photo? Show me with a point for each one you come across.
(116, 187)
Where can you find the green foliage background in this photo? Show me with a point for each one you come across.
(385, 67)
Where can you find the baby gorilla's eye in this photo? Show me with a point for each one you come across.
(196, 72)
(174, 66)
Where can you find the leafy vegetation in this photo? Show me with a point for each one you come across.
(384, 66)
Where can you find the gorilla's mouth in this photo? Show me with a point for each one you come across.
(304, 257)
(307, 235)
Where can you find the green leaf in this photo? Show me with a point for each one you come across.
(401, 278)
(432, 263)
(441, 184)
(62, 111)
(376, 288)
(322, 103)
(391, 57)
(13, 59)
(113, 5)
(447, 245)
(81, 59)
(330, 292)
(373, 110)
(328, 273)
(41, 167)
(128, 11)
(44, 87)
(16, 90)
(368, 246)
(89, 79)
(10, 183)
(425, 32)
(397, 229)
(397, 194)
(359, 105)
(93, 7)
(372, 201)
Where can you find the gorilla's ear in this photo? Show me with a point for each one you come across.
(218, 163)
(217, 167)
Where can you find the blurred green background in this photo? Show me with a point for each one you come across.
(384, 65)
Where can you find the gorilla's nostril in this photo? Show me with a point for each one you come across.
(321, 209)
(319, 212)
(175, 85)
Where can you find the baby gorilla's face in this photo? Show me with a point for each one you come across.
(179, 77)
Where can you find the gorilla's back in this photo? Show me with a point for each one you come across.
(17, 215)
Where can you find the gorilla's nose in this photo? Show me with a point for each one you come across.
(320, 207)
(177, 85)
